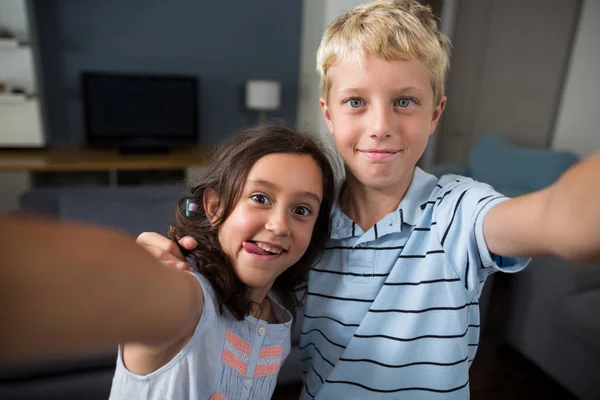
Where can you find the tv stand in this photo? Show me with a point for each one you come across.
(95, 166)
(140, 149)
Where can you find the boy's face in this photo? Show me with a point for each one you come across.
(381, 116)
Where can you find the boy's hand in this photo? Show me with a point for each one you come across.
(165, 250)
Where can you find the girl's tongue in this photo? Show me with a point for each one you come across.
(252, 248)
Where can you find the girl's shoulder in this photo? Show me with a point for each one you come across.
(281, 317)
(210, 299)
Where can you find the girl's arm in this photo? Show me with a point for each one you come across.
(68, 289)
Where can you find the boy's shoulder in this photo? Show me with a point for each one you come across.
(426, 188)
(426, 194)
(446, 194)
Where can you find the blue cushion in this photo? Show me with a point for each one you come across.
(130, 212)
(518, 169)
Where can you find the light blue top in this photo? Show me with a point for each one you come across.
(394, 312)
(225, 359)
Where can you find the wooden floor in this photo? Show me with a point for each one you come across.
(498, 372)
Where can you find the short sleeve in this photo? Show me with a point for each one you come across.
(460, 208)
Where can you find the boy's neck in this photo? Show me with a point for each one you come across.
(367, 206)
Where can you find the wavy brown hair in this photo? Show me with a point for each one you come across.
(226, 175)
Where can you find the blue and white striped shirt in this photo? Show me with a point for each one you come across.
(393, 312)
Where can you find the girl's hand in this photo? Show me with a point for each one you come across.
(165, 250)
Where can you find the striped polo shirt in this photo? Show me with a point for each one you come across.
(393, 313)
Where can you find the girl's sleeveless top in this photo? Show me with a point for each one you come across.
(226, 359)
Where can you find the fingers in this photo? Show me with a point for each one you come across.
(165, 250)
(188, 243)
(180, 265)
(159, 244)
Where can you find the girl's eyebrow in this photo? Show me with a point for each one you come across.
(271, 185)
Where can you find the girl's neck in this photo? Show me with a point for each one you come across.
(366, 206)
(263, 310)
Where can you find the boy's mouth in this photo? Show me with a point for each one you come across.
(262, 248)
(376, 154)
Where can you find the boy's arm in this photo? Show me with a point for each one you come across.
(68, 289)
(561, 220)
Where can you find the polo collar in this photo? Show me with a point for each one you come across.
(408, 212)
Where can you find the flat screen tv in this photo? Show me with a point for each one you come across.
(140, 112)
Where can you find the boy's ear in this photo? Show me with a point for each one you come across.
(211, 204)
(326, 114)
(437, 113)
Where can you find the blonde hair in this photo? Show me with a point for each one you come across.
(391, 30)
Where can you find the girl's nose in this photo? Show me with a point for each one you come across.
(278, 224)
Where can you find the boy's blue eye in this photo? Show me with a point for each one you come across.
(404, 102)
(301, 210)
(260, 198)
(355, 103)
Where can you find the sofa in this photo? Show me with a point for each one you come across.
(554, 305)
(132, 209)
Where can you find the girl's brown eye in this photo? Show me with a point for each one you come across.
(301, 210)
(260, 198)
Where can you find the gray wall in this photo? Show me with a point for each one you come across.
(224, 43)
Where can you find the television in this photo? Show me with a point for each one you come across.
(140, 112)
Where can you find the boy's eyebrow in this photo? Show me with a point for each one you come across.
(399, 90)
(271, 185)
(410, 89)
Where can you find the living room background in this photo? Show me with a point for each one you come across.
(222, 43)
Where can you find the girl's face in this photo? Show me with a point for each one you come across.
(271, 226)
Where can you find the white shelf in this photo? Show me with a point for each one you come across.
(10, 44)
(20, 113)
(12, 98)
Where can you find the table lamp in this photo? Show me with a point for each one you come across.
(263, 95)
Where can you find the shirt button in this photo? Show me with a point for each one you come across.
(262, 331)
(248, 383)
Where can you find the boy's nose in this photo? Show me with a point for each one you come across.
(381, 122)
(278, 224)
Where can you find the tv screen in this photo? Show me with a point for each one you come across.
(140, 110)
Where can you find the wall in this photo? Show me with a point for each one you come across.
(223, 43)
(317, 14)
(509, 61)
(578, 124)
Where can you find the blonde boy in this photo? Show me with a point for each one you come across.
(392, 307)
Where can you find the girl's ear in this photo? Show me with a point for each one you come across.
(211, 203)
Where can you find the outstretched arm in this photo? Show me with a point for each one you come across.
(561, 220)
(69, 289)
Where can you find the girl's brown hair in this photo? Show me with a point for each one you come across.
(226, 175)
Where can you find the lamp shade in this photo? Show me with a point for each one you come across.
(263, 95)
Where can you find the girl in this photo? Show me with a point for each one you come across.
(262, 216)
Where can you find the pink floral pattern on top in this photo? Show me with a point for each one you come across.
(269, 361)
(236, 353)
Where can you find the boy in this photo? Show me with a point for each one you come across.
(392, 306)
